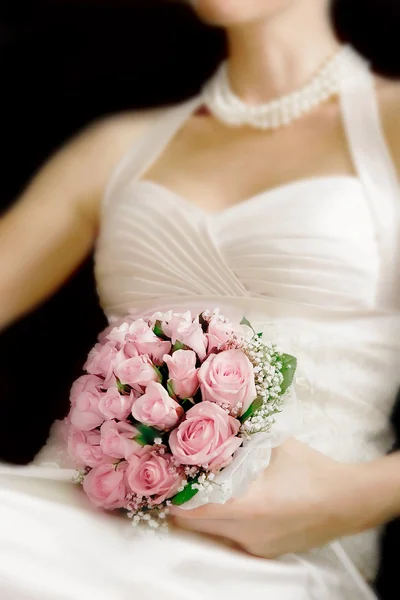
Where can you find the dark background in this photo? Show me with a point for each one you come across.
(64, 63)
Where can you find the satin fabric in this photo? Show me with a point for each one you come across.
(312, 263)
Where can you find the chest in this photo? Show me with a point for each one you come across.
(215, 167)
(312, 242)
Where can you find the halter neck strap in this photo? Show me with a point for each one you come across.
(374, 166)
(148, 147)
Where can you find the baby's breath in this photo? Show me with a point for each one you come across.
(206, 485)
(266, 358)
(80, 476)
(153, 520)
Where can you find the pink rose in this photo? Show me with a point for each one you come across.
(126, 349)
(153, 474)
(146, 341)
(137, 372)
(114, 405)
(227, 379)
(183, 373)
(116, 334)
(105, 486)
(110, 383)
(117, 439)
(206, 437)
(157, 409)
(84, 448)
(103, 335)
(86, 414)
(170, 322)
(129, 349)
(219, 333)
(84, 383)
(182, 328)
(101, 360)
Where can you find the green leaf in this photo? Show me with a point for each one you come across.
(146, 435)
(170, 389)
(245, 321)
(289, 365)
(123, 388)
(159, 372)
(178, 346)
(157, 329)
(186, 494)
(254, 406)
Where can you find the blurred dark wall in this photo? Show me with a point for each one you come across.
(64, 63)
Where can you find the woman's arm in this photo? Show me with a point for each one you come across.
(302, 501)
(389, 103)
(51, 228)
(382, 481)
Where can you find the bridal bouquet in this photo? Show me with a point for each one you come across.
(170, 409)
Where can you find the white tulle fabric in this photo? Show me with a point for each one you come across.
(312, 263)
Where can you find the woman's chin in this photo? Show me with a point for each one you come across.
(231, 13)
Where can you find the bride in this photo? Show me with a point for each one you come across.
(273, 192)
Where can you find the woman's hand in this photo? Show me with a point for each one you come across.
(303, 500)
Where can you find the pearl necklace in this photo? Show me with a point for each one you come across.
(223, 103)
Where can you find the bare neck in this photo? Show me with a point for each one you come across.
(274, 57)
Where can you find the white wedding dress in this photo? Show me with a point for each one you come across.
(315, 263)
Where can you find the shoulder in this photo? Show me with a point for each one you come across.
(102, 143)
(94, 153)
(119, 131)
(388, 92)
(109, 139)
